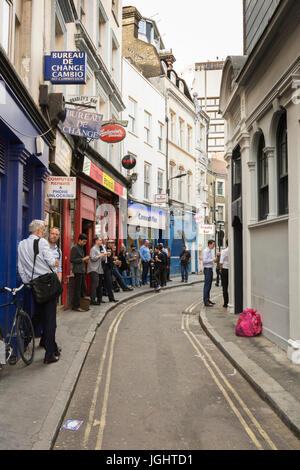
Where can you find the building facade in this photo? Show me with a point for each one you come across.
(29, 31)
(260, 102)
(185, 127)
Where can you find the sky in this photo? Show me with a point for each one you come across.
(196, 30)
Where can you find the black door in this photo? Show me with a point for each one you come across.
(238, 265)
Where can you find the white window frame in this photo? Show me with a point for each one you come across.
(147, 127)
(223, 210)
(147, 180)
(160, 181)
(223, 184)
(132, 117)
(160, 136)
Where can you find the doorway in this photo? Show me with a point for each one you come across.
(88, 230)
(238, 265)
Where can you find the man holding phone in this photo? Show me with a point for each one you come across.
(107, 265)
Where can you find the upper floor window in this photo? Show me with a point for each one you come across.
(147, 175)
(147, 127)
(160, 136)
(173, 125)
(282, 165)
(181, 86)
(5, 24)
(263, 180)
(173, 77)
(160, 179)
(236, 174)
(132, 115)
(220, 188)
(189, 138)
(189, 187)
(181, 133)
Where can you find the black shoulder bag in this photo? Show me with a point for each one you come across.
(46, 287)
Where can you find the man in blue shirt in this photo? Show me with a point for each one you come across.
(145, 258)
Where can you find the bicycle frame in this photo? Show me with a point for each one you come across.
(8, 337)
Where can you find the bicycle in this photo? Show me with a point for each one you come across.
(22, 329)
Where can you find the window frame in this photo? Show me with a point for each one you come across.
(9, 29)
(262, 180)
(147, 127)
(282, 178)
(147, 180)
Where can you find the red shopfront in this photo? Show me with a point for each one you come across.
(96, 211)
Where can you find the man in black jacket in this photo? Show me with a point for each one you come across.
(108, 265)
(185, 258)
(79, 260)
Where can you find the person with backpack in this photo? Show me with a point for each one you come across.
(185, 258)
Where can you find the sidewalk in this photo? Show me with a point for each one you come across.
(33, 399)
(261, 362)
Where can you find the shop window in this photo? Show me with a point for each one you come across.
(282, 165)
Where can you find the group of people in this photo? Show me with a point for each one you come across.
(222, 261)
(156, 263)
(103, 266)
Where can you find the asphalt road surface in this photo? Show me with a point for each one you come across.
(154, 380)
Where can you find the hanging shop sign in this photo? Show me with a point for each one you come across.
(85, 103)
(67, 68)
(206, 229)
(161, 198)
(82, 124)
(60, 187)
(128, 162)
(112, 133)
(94, 172)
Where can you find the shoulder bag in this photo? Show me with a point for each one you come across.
(46, 287)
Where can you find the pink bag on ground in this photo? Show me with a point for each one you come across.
(249, 323)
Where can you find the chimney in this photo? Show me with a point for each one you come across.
(131, 18)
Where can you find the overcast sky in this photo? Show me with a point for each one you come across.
(196, 30)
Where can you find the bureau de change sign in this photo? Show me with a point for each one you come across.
(67, 68)
(82, 124)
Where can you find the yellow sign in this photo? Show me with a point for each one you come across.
(108, 182)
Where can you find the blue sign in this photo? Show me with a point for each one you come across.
(65, 68)
(82, 124)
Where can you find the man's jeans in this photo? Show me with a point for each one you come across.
(135, 276)
(145, 265)
(119, 278)
(184, 272)
(208, 278)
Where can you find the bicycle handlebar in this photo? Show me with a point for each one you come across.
(14, 290)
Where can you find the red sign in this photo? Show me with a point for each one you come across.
(129, 162)
(112, 133)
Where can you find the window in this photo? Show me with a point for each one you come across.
(220, 216)
(173, 126)
(160, 136)
(82, 12)
(181, 133)
(102, 32)
(220, 188)
(147, 171)
(263, 184)
(142, 27)
(189, 187)
(5, 12)
(173, 77)
(115, 58)
(160, 177)
(189, 138)
(180, 185)
(115, 7)
(181, 86)
(147, 126)
(282, 165)
(171, 181)
(132, 115)
(236, 174)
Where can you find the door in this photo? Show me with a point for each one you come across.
(88, 230)
(238, 265)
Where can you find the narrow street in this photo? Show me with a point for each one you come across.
(154, 380)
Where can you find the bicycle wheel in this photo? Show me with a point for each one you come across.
(25, 337)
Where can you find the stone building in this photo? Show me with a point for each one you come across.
(260, 101)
